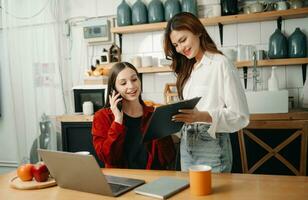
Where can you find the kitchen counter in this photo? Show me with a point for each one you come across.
(225, 186)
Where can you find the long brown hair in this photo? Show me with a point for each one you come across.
(181, 65)
(112, 77)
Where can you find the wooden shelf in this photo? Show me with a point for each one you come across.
(273, 62)
(147, 70)
(260, 63)
(233, 19)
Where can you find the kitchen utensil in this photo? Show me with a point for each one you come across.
(281, 5)
(294, 4)
(258, 7)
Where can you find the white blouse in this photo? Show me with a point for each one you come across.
(216, 80)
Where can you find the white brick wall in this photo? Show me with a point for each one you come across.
(256, 34)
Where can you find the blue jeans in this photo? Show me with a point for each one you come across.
(198, 147)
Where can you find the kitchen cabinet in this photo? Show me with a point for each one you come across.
(275, 144)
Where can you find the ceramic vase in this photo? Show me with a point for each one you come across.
(139, 13)
(297, 44)
(278, 45)
(229, 7)
(190, 6)
(156, 11)
(124, 14)
(172, 7)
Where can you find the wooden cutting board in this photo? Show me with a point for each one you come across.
(30, 185)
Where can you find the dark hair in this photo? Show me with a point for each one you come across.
(112, 77)
(181, 65)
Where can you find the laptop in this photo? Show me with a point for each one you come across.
(161, 124)
(82, 173)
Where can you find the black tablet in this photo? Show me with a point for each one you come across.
(161, 125)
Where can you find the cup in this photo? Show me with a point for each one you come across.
(147, 61)
(258, 7)
(296, 4)
(214, 11)
(200, 180)
(87, 108)
(260, 55)
(281, 5)
(136, 61)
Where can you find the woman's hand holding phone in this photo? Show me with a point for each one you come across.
(115, 100)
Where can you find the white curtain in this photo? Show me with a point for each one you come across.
(34, 45)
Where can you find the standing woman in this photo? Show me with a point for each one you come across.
(118, 130)
(202, 70)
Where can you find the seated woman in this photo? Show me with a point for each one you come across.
(119, 127)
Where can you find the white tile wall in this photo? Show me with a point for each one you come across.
(249, 33)
(256, 34)
(294, 77)
(230, 35)
(267, 29)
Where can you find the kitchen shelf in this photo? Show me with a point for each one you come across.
(273, 62)
(232, 19)
(260, 63)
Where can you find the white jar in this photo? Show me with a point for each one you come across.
(87, 108)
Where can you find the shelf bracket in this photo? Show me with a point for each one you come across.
(120, 41)
(279, 22)
(221, 32)
(304, 72)
(245, 72)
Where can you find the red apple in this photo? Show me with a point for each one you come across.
(40, 172)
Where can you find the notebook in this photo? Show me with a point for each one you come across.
(161, 125)
(163, 187)
(81, 172)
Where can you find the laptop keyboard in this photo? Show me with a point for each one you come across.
(117, 187)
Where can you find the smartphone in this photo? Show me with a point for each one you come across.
(119, 105)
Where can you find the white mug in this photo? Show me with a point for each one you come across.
(281, 5)
(147, 61)
(87, 108)
(136, 61)
(214, 11)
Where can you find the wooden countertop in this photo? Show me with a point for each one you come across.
(225, 186)
(292, 115)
